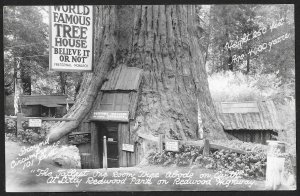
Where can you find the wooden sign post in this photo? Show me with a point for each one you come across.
(206, 147)
(20, 117)
(104, 153)
(275, 165)
(160, 143)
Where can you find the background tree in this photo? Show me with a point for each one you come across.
(162, 41)
(281, 58)
(229, 23)
(25, 42)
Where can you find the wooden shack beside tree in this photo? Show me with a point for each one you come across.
(44, 105)
(254, 122)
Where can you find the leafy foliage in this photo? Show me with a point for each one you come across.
(26, 135)
(231, 22)
(235, 86)
(250, 165)
(25, 41)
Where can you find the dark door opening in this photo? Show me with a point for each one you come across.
(110, 130)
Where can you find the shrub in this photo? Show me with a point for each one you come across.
(236, 86)
(27, 135)
(252, 164)
(10, 125)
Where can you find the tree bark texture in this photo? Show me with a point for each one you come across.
(63, 81)
(104, 53)
(26, 79)
(162, 41)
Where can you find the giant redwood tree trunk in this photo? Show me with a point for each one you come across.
(162, 41)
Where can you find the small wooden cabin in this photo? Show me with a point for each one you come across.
(113, 116)
(45, 105)
(254, 122)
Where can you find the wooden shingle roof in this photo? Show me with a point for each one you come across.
(123, 78)
(261, 115)
(46, 100)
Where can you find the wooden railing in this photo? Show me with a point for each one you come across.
(20, 117)
(205, 144)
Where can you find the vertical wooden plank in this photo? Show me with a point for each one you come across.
(135, 154)
(241, 135)
(89, 130)
(104, 153)
(19, 121)
(84, 148)
(94, 146)
(247, 136)
(132, 154)
(125, 141)
(206, 148)
(160, 143)
(256, 136)
(129, 142)
(268, 135)
(263, 137)
(120, 142)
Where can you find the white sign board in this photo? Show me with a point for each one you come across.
(35, 122)
(242, 107)
(71, 38)
(122, 116)
(110, 139)
(128, 147)
(172, 146)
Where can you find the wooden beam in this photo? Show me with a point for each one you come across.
(43, 118)
(220, 147)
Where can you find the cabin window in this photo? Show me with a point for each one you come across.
(115, 102)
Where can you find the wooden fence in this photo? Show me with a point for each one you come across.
(20, 117)
(206, 145)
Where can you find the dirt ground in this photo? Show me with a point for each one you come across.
(19, 180)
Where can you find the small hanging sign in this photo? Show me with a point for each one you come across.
(110, 139)
(128, 147)
(79, 138)
(35, 122)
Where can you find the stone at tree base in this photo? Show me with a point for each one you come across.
(66, 157)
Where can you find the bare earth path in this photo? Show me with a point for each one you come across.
(19, 180)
